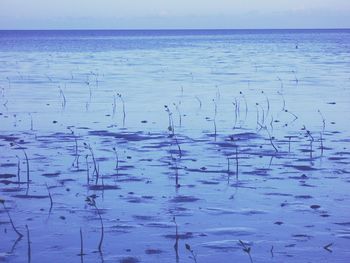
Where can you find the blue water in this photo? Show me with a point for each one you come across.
(79, 100)
(109, 40)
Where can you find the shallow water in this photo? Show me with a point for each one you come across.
(258, 144)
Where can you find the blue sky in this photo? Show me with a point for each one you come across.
(125, 14)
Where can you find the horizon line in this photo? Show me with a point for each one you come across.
(168, 29)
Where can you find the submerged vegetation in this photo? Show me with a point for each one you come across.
(193, 160)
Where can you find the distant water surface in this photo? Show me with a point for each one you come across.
(108, 40)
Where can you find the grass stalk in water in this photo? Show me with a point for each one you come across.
(179, 113)
(291, 113)
(9, 81)
(271, 251)
(170, 120)
(257, 114)
(123, 106)
(323, 129)
(95, 172)
(178, 147)
(235, 104)
(271, 138)
(64, 101)
(87, 169)
(8, 214)
(283, 100)
(237, 164)
(245, 103)
(91, 201)
(215, 129)
(31, 122)
(263, 113)
(328, 247)
(76, 154)
(214, 119)
(199, 101)
(295, 77)
(236, 156)
(215, 108)
(323, 121)
(228, 170)
(308, 133)
(81, 254)
(29, 252)
(176, 245)
(116, 160)
(289, 140)
(114, 105)
(27, 162)
(193, 255)
(267, 102)
(50, 196)
(281, 82)
(246, 249)
(177, 185)
(228, 166)
(18, 170)
(271, 123)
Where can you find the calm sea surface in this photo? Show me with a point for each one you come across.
(211, 138)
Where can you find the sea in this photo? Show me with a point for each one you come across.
(175, 145)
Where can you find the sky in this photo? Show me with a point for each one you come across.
(162, 14)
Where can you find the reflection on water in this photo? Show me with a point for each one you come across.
(174, 146)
